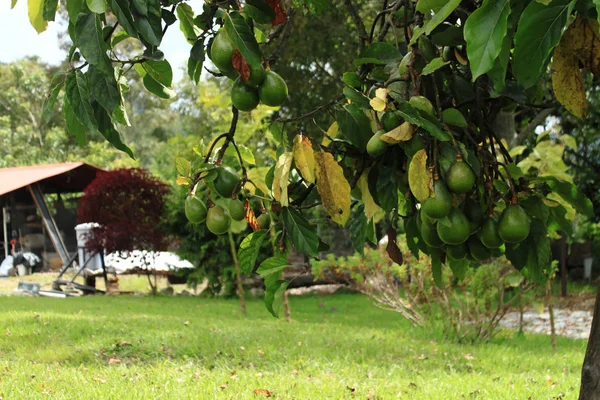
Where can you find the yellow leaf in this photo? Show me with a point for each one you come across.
(377, 104)
(183, 180)
(399, 134)
(281, 178)
(304, 157)
(567, 81)
(35, 10)
(331, 133)
(582, 39)
(382, 93)
(371, 208)
(257, 176)
(333, 187)
(418, 176)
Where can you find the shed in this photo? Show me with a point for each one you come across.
(23, 192)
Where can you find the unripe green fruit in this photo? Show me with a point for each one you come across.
(440, 205)
(457, 231)
(403, 69)
(221, 51)
(430, 236)
(226, 181)
(264, 221)
(236, 210)
(195, 209)
(257, 75)
(273, 91)
(422, 103)
(448, 54)
(390, 120)
(514, 224)
(427, 49)
(375, 146)
(477, 250)
(473, 212)
(457, 252)
(489, 234)
(243, 97)
(460, 177)
(217, 220)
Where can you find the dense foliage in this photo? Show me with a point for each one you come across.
(129, 205)
(417, 140)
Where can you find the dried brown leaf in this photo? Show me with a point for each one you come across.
(240, 65)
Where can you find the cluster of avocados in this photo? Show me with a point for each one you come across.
(218, 217)
(450, 218)
(263, 86)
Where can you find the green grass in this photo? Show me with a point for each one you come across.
(188, 347)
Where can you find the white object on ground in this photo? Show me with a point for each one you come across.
(570, 323)
(145, 260)
(81, 232)
(6, 266)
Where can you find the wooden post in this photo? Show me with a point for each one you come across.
(563, 266)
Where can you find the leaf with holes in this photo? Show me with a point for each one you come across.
(249, 249)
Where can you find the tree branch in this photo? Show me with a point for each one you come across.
(311, 113)
(287, 30)
(360, 26)
(537, 120)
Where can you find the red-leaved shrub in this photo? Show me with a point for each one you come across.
(128, 204)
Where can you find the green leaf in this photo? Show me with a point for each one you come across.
(107, 129)
(427, 6)
(74, 127)
(485, 30)
(35, 11)
(558, 220)
(355, 125)
(272, 265)
(498, 71)
(517, 254)
(185, 14)
(413, 116)
(412, 235)
(538, 256)
(358, 228)
(452, 116)
(353, 80)
(196, 61)
(89, 40)
(49, 11)
(74, 8)
(436, 267)
(274, 291)
(97, 6)
(259, 11)
(160, 71)
(183, 165)
(439, 17)
(141, 6)
(50, 103)
(122, 11)
(242, 38)
(77, 95)
(572, 195)
(149, 29)
(103, 88)
(301, 233)
(386, 183)
(596, 2)
(459, 268)
(356, 97)
(539, 31)
(249, 249)
(378, 53)
(434, 65)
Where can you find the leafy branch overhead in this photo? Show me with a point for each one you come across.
(415, 141)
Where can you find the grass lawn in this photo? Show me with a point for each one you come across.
(192, 348)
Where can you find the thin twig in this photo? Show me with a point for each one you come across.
(311, 113)
(360, 26)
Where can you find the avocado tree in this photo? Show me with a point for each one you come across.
(419, 137)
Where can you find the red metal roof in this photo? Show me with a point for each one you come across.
(66, 177)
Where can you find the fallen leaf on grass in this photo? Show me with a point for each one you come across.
(103, 381)
(351, 389)
(124, 344)
(266, 392)
(224, 386)
(114, 361)
(295, 372)
(186, 323)
(468, 356)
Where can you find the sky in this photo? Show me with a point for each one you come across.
(18, 39)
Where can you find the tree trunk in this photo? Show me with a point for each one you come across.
(590, 373)
(563, 266)
(238, 274)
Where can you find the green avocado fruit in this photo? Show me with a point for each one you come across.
(390, 120)
(440, 205)
(455, 232)
(457, 252)
(226, 182)
(273, 91)
(217, 220)
(264, 221)
(375, 146)
(477, 250)
(489, 234)
(236, 210)
(514, 224)
(422, 103)
(243, 97)
(473, 212)
(195, 209)
(257, 76)
(221, 51)
(430, 235)
(460, 177)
